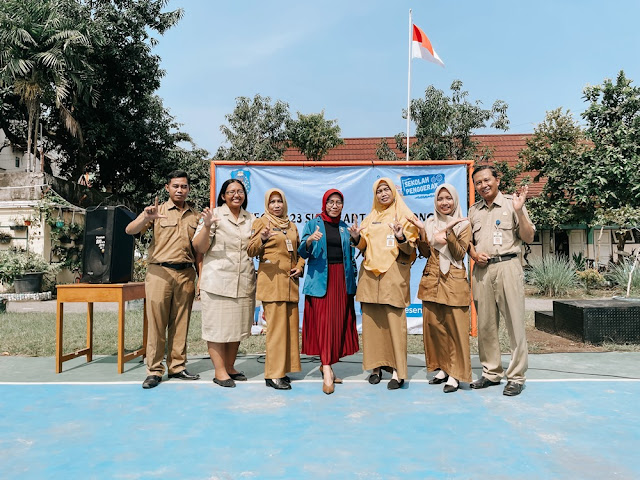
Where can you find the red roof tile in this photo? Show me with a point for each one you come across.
(504, 147)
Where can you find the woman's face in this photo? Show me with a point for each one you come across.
(234, 195)
(444, 202)
(276, 205)
(334, 205)
(384, 194)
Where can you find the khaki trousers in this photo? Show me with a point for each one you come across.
(283, 346)
(384, 338)
(498, 289)
(445, 333)
(170, 296)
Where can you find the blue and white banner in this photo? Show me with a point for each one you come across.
(305, 186)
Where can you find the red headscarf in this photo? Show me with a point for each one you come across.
(325, 216)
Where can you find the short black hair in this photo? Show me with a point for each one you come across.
(223, 189)
(177, 174)
(479, 168)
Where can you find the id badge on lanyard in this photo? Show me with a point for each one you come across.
(497, 234)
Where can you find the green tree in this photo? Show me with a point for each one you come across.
(313, 135)
(445, 125)
(556, 152)
(384, 151)
(45, 47)
(256, 130)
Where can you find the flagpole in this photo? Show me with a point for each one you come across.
(409, 84)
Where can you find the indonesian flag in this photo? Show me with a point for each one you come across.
(421, 47)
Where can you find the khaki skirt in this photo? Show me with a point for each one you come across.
(226, 319)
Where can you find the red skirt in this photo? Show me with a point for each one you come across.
(329, 323)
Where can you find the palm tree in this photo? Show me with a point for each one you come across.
(44, 48)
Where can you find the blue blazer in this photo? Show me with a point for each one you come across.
(315, 282)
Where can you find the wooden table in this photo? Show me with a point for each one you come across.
(90, 293)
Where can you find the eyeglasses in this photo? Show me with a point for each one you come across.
(233, 193)
(332, 203)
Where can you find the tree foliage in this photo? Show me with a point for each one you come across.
(256, 130)
(445, 125)
(313, 135)
(593, 174)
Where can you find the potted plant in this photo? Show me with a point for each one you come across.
(17, 223)
(5, 237)
(25, 271)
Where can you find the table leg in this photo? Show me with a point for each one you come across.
(121, 336)
(89, 331)
(59, 324)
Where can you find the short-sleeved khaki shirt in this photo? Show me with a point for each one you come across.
(500, 221)
(171, 242)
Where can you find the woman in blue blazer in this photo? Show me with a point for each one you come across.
(329, 324)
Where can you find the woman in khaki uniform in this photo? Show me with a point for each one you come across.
(387, 240)
(228, 282)
(275, 242)
(444, 290)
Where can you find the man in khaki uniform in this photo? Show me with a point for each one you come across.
(170, 280)
(500, 224)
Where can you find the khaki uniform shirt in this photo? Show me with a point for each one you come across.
(171, 242)
(391, 287)
(227, 269)
(274, 283)
(453, 288)
(499, 221)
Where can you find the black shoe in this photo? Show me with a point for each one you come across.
(238, 377)
(277, 383)
(395, 384)
(151, 381)
(483, 382)
(184, 375)
(512, 389)
(438, 381)
(375, 378)
(225, 383)
(450, 388)
(286, 379)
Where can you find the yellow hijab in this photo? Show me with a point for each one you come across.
(281, 222)
(375, 229)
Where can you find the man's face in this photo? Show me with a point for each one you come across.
(178, 189)
(486, 185)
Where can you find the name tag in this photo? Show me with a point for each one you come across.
(497, 238)
(289, 245)
(391, 240)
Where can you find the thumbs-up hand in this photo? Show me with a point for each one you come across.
(314, 237)
(354, 230)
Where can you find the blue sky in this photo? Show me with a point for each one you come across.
(350, 58)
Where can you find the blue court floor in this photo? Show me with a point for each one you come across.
(577, 418)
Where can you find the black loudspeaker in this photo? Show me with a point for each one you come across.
(108, 250)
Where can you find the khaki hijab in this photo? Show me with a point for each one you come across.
(439, 222)
(281, 222)
(375, 229)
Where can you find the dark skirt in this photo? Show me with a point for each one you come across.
(329, 324)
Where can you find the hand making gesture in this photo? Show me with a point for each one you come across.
(519, 198)
(208, 217)
(354, 230)
(267, 233)
(396, 226)
(151, 212)
(314, 237)
(419, 225)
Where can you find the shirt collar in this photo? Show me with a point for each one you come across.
(499, 200)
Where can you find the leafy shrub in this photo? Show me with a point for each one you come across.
(619, 275)
(590, 278)
(552, 275)
(15, 262)
(579, 261)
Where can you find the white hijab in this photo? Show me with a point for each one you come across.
(438, 223)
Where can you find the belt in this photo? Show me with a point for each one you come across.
(502, 258)
(176, 266)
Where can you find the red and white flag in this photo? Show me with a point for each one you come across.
(421, 47)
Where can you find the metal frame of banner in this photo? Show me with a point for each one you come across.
(411, 163)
